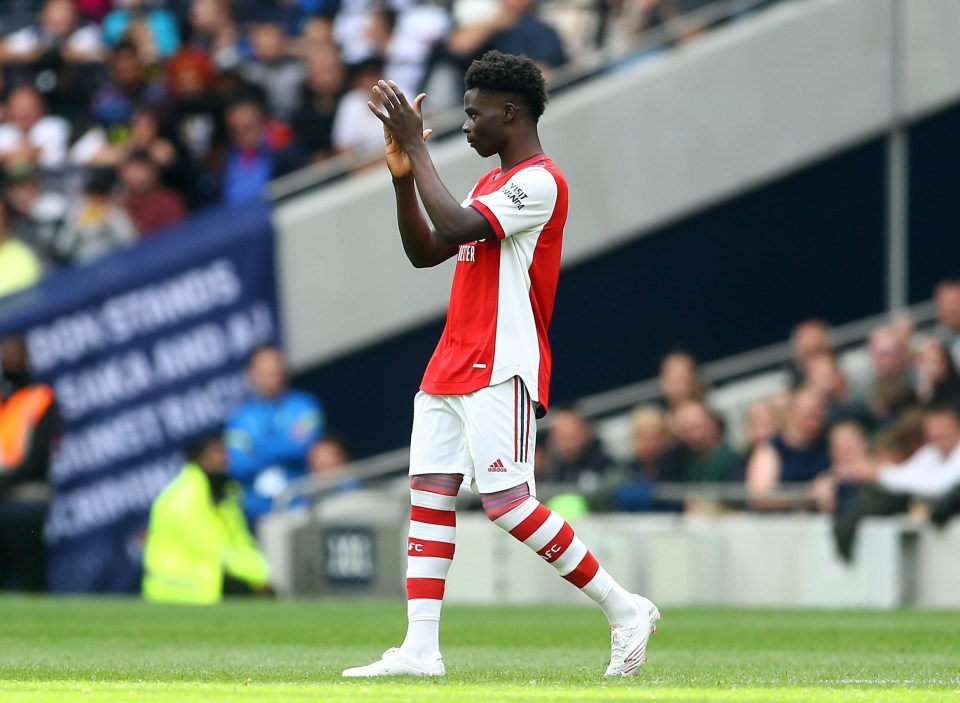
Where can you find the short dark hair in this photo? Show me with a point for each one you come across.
(99, 181)
(142, 156)
(948, 282)
(260, 349)
(126, 46)
(496, 72)
(195, 446)
(246, 98)
(941, 407)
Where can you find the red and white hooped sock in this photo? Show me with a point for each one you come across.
(552, 537)
(430, 548)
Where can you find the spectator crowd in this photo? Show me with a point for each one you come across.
(847, 440)
(879, 438)
(118, 118)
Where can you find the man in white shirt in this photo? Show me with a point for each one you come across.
(29, 134)
(932, 474)
(59, 29)
(934, 468)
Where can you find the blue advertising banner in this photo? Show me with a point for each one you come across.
(144, 349)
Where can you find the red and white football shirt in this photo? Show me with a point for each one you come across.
(503, 289)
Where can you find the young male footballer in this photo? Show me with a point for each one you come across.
(475, 414)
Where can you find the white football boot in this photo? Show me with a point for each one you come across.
(396, 662)
(628, 643)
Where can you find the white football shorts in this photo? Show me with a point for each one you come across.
(489, 436)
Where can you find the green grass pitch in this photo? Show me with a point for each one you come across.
(123, 650)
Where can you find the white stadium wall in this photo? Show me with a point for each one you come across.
(745, 560)
(642, 147)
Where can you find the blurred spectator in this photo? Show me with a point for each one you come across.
(37, 214)
(30, 134)
(328, 458)
(143, 135)
(269, 435)
(95, 225)
(278, 75)
(823, 373)
(761, 425)
(935, 468)
(707, 458)
(576, 454)
(353, 130)
(316, 30)
(128, 88)
(152, 30)
(151, 205)
(351, 28)
(835, 490)
(930, 475)
(947, 297)
(889, 391)
(321, 94)
(57, 56)
(680, 380)
(809, 339)
(20, 267)
(252, 161)
(935, 377)
(327, 455)
(199, 547)
(895, 443)
(216, 32)
(641, 16)
(28, 424)
(514, 29)
(196, 127)
(58, 37)
(655, 454)
(406, 40)
(798, 453)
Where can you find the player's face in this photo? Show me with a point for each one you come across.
(484, 125)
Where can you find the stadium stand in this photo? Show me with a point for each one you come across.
(90, 91)
(201, 112)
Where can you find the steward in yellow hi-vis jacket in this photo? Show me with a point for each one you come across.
(199, 547)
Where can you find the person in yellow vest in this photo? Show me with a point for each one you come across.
(20, 267)
(198, 547)
(28, 424)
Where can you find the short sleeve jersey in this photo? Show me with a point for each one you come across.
(504, 287)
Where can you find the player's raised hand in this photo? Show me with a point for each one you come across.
(402, 125)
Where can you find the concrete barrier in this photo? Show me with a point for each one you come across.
(781, 561)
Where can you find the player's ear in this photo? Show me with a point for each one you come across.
(509, 112)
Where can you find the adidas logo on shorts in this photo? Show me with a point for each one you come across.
(497, 467)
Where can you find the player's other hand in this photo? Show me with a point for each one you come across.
(402, 125)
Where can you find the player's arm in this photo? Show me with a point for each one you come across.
(403, 126)
(422, 245)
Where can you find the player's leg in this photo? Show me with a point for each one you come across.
(430, 547)
(501, 434)
(632, 618)
(438, 462)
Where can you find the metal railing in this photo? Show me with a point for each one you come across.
(625, 398)
(748, 363)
